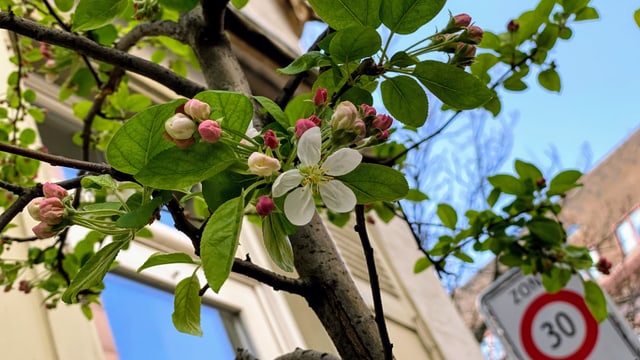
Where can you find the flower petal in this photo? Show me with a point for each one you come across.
(337, 196)
(309, 146)
(342, 162)
(299, 206)
(285, 182)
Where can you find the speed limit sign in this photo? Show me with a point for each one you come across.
(534, 324)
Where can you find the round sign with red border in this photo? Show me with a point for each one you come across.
(567, 298)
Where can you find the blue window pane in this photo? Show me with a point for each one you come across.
(140, 320)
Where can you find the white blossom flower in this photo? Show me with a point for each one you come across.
(316, 177)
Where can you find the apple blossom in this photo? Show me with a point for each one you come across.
(263, 165)
(54, 190)
(43, 230)
(312, 176)
(180, 127)
(210, 131)
(344, 116)
(302, 126)
(51, 210)
(34, 208)
(197, 109)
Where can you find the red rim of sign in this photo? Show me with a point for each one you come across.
(572, 298)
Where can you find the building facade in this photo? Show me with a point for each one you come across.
(422, 321)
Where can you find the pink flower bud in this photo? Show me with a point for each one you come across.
(383, 135)
(51, 210)
(197, 109)
(382, 122)
(180, 127)
(50, 63)
(210, 131)
(462, 20)
(183, 144)
(344, 116)
(34, 208)
(472, 35)
(303, 125)
(271, 140)
(367, 110)
(315, 119)
(54, 190)
(44, 50)
(513, 26)
(262, 165)
(43, 230)
(265, 205)
(320, 97)
(360, 128)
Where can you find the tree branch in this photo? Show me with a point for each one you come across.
(361, 229)
(87, 47)
(270, 278)
(302, 354)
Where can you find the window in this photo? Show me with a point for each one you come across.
(140, 320)
(628, 231)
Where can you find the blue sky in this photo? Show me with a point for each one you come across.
(599, 72)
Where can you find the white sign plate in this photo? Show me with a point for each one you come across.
(533, 324)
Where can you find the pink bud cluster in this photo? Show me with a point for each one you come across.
(191, 117)
(350, 124)
(460, 38)
(49, 210)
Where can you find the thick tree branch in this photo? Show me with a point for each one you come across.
(270, 278)
(302, 354)
(87, 47)
(361, 229)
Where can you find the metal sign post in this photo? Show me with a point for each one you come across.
(533, 324)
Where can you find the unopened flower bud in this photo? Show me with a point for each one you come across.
(34, 208)
(344, 116)
(472, 35)
(197, 109)
(456, 23)
(51, 210)
(513, 26)
(320, 97)
(43, 230)
(263, 165)
(183, 144)
(180, 127)
(54, 190)
(604, 266)
(210, 131)
(465, 55)
(383, 135)
(50, 63)
(360, 129)
(265, 205)
(303, 125)
(44, 50)
(315, 119)
(271, 140)
(367, 110)
(382, 122)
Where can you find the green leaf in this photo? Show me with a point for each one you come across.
(276, 242)
(239, 4)
(177, 168)
(447, 215)
(493, 197)
(220, 240)
(235, 110)
(223, 187)
(357, 96)
(463, 256)
(187, 306)
(140, 138)
(340, 14)
(564, 182)
(372, 182)
(421, 265)
(530, 22)
(300, 107)
(527, 170)
(482, 64)
(305, 62)
(105, 35)
(354, 43)
(416, 195)
(99, 182)
(547, 230)
(180, 5)
(164, 259)
(595, 300)
(406, 100)
(508, 184)
(64, 5)
(140, 217)
(92, 14)
(274, 110)
(556, 280)
(573, 6)
(93, 271)
(587, 13)
(402, 59)
(452, 85)
(548, 36)
(406, 16)
(636, 17)
(549, 79)
(514, 83)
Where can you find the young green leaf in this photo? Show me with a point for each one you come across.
(595, 299)
(406, 16)
(416, 195)
(99, 182)
(528, 171)
(220, 240)
(447, 216)
(92, 14)
(405, 99)
(452, 85)
(508, 184)
(636, 17)
(587, 13)
(556, 280)
(550, 80)
(179, 5)
(224, 186)
(141, 216)
(93, 271)
(187, 306)
(140, 138)
(354, 43)
(372, 182)
(235, 110)
(546, 230)
(276, 242)
(274, 110)
(164, 259)
(421, 265)
(564, 182)
(64, 5)
(305, 62)
(340, 14)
